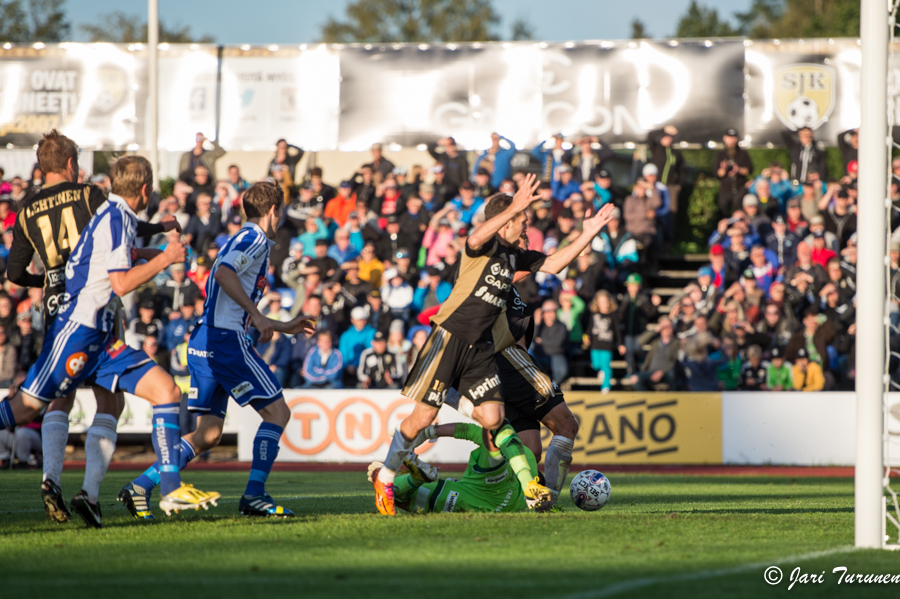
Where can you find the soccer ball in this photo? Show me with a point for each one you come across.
(589, 490)
(803, 112)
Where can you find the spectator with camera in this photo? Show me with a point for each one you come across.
(733, 166)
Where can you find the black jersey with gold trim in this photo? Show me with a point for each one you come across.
(482, 287)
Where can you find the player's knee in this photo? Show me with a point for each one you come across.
(569, 427)
(489, 419)
(211, 438)
(276, 413)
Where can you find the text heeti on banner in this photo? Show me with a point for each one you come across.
(647, 428)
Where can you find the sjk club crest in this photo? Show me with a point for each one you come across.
(111, 89)
(804, 95)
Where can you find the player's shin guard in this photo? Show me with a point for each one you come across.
(150, 477)
(400, 446)
(167, 444)
(506, 439)
(54, 436)
(99, 446)
(557, 462)
(265, 450)
(7, 418)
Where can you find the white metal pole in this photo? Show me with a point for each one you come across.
(152, 97)
(871, 286)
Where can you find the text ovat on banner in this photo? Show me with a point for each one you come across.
(641, 428)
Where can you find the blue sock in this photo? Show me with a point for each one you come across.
(265, 450)
(150, 478)
(167, 444)
(7, 419)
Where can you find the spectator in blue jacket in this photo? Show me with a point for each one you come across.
(177, 327)
(550, 159)
(315, 230)
(497, 160)
(342, 251)
(466, 204)
(431, 290)
(277, 354)
(355, 339)
(567, 185)
(323, 364)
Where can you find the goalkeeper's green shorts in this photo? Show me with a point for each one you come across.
(448, 495)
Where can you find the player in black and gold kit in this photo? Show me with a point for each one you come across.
(50, 223)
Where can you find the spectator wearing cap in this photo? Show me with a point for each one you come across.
(482, 183)
(323, 366)
(668, 160)
(339, 208)
(294, 265)
(806, 156)
(551, 341)
(144, 325)
(380, 164)
(660, 364)
(496, 161)
(378, 314)
(29, 341)
(820, 252)
(199, 156)
(618, 247)
(233, 226)
(392, 240)
(636, 310)
(814, 339)
(179, 323)
(355, 339)
(754, 373)
(768, 204)
(841, 280)
(378, 367)
(782, 242)
(204, 225)
(467, 204)
(778, 372)
(397, 294)
(733, 166)
(723, 273)
(408, 180)
(455, 163)
(364, 185)
(796, 222)
(605, 191)
(200, 274)
(427, 194)
(550, 158)
(352, 284)
(388, 198)
(342, 250)
(322, 262)
(807, 375)
(565, 230)
(640, 213)
(566, 184)
(759, 220)
(177, 291)
(409, 272)
(444, 189)
(585, 161)
(431, 290)
(370, 267)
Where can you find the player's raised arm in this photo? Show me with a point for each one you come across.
(523, 198)
(591, 227)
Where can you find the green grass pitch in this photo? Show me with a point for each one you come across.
(660, 536)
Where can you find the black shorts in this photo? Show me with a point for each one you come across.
(446, 361)
(528, 392)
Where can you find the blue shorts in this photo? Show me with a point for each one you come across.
(74, 354)
(223, 364)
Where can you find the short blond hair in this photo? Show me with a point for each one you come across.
(129, 174)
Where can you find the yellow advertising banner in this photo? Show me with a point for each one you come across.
(647, 428)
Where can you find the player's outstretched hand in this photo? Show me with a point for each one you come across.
(603, 216)
(526, 193)
(174, 251)
(264, 326)
(169, 223)
(307, 326)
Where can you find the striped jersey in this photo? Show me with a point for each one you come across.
(104, 247)
(247, 254)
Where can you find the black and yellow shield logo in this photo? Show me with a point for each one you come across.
(112, 87)
(804, 95)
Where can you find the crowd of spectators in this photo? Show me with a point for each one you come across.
(372, 254)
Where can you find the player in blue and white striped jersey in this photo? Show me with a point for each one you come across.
(223, 363)
(81, 345)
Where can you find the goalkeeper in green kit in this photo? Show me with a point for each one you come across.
(489, 483)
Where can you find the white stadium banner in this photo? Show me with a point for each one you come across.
(187, 95)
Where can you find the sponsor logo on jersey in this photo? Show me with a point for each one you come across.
(200, 353)
(193, 393)
(115, 348)
(241, 389)
(64, 386)
(76, 363)
(505, 502)
(490, 298)
(483, 388)
(55, 277)
(497, 478)
(450, 504)
(93, 348)
(437, 397)
(260, 282)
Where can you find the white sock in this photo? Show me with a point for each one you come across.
(557, 462)
(54, 436)
(99, 447)
(396, 454)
